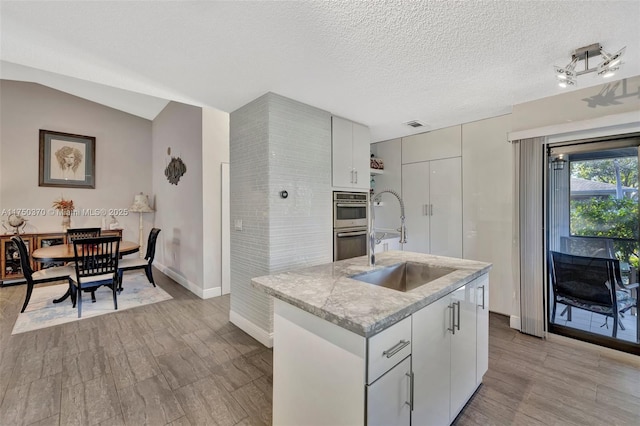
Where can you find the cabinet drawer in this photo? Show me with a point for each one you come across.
(388, 348)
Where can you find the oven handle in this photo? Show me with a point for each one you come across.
(358, 205)
(351, 234)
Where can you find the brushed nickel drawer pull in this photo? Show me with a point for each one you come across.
(397, 348)
(410, 402)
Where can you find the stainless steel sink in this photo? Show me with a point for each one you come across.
(403, 276)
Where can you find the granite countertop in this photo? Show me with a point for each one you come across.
(365, 309)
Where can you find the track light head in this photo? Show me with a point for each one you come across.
(610, 63)
(568, 76)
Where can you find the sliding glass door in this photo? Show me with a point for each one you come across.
(592, 240)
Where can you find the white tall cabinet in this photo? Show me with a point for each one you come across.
(350, 154)
(432, 193)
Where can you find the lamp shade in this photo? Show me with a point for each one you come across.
(140, 204)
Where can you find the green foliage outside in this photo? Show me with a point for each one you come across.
(608, 217)
(604, 171)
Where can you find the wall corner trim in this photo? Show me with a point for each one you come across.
(261, 335)
(514, 322)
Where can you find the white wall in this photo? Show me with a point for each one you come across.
(179, 208)
(123, 144)
(615, 97)
(215, 151)
(487, 205)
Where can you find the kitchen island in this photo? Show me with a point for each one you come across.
(350, 352)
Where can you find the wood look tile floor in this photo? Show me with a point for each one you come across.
(181, 362)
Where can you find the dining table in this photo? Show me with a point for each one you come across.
(65, 253)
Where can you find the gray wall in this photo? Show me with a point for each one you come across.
(123, 145)
(179, 207)
(276, 144)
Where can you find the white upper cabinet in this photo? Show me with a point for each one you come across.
(350, 154)
(436, 145)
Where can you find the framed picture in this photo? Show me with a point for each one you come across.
(67, 160)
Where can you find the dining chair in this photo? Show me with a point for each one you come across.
(75, 233)
(42, 276)
(138, 263)
(589, 283)
(96, 264)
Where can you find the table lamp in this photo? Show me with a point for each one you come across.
(141, 205)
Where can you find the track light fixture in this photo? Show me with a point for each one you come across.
(568, 76)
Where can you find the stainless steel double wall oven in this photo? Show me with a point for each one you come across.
(350, 220)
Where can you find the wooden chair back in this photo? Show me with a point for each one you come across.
(96, 256)
(75, 233)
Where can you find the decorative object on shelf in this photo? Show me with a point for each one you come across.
(66, 208)
(141, 205)
(175, 169)
(114, 223)
(67, 160)
(568, 76)
(376, 163)
(15, 221)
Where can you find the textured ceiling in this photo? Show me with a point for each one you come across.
(378, 63)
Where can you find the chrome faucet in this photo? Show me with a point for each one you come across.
(372, 230)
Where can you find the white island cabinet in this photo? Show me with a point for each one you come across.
(351, 353)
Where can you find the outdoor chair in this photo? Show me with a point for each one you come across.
(589, 283)
(588, 246)
(96, 264)
(138, 263)
(596, 247)
(42, 276)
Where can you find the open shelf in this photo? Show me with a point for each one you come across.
(376, 171)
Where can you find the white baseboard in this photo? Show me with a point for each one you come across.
(192, 287)
(251, 329)
(208, 293)
(514, 322)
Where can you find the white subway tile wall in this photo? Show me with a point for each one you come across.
(277, 144)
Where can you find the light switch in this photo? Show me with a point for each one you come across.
(237, 224)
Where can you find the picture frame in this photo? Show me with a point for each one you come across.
(67, 160)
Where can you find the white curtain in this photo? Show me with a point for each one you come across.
(529, 185)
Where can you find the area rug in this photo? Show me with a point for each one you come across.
(42, 312)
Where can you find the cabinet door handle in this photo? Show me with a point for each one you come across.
(351, 175)
(356, 177)
(482, 287)
(411, 381)
(396, 348)
(458, 324)
(453, 318)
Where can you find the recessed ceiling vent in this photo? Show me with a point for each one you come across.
(415, 123)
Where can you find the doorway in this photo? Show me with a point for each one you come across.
(593, 241)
